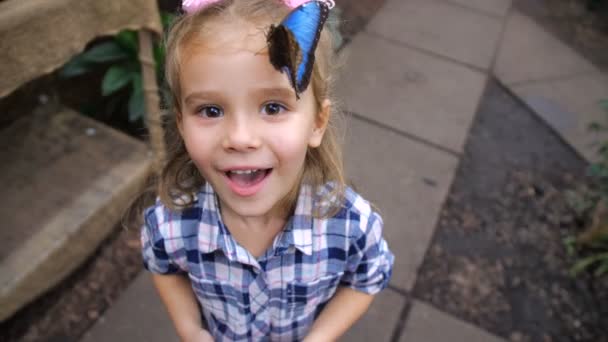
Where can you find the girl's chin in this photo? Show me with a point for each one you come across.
(248, 210)
(250, 207)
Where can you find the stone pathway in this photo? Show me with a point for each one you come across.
(555, 81)
(412, 85)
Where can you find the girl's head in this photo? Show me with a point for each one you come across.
(236, 122)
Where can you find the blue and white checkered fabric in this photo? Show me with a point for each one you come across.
(277, 296)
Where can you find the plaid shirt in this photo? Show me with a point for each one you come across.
(278, 295)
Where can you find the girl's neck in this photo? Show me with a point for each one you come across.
(255, 234)
(253, 224)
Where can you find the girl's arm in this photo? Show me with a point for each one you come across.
(368, 271)
(342, 311)
(177, 295)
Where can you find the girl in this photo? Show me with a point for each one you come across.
(254, 225)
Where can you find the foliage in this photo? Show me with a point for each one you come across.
(596, 256)
(593, 243)
(120, 55)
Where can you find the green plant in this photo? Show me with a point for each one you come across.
(582, 201)
(596, 258)
(593, 242)
(121, 55)
(599, 169)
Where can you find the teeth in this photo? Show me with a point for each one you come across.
(244, 172)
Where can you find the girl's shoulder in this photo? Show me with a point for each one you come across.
(355, 202)
(356, 214)
(172, 223)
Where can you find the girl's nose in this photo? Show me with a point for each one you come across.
(241, 134)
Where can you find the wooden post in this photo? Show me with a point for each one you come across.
(152, 99)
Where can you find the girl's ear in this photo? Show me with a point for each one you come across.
(320, 124)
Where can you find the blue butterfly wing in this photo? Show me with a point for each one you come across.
(302, 30)
(305, 23)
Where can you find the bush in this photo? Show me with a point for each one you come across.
(120, 54)
(593, 242)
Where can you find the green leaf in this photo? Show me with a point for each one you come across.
(595, 170)
(137, 106)
(602, 269)
(76, 66)
(159, 54)
(570, 244)
(127, 39)
(115, 78)
(166, 19)
(583, 264)
(105, 52)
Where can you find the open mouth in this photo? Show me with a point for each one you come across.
(247, 182)
(247, 177)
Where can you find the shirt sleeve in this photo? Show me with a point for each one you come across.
(369, 261)
(155, 256)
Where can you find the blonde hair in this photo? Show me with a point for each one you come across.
(179, 177)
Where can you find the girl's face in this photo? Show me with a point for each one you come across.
(241, 123)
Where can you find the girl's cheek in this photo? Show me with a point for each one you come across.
(290, 146)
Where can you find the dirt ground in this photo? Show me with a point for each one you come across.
(498, 258)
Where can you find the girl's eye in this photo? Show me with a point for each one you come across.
(210, 112)
(273, 108)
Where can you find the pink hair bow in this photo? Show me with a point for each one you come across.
(295, 3)
(191, 6)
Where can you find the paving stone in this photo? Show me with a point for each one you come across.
(529, 53)
(408, 182)
(443, 28)
(493, 7)
(380, 320)
(428, 324)
(410, 91)
(138, 315)
(570, 106)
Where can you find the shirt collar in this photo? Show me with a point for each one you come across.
(215, 236)
(297, 232)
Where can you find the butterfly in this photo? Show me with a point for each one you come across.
(293, 42)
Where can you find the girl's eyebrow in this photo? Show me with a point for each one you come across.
(281, 92)
(202, 94)
(278, 92)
